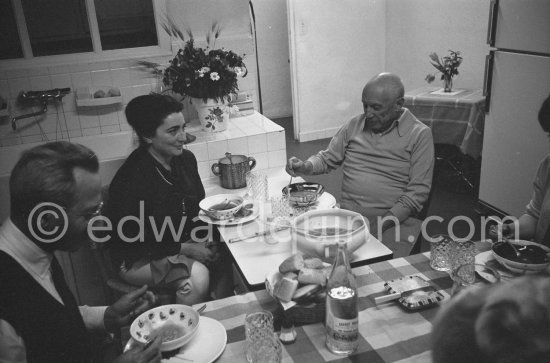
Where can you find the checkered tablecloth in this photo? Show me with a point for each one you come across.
(455, 119)
(388, 333)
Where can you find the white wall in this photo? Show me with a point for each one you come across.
(415, 28)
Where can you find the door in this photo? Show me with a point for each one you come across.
(514, 142)
(335, 48)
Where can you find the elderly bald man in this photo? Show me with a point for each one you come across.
(387, 159)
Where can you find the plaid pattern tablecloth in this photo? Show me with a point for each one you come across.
(456, 119)
(388, 333)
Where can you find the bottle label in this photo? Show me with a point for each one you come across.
(343, 331)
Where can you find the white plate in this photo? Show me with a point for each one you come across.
(207, 345)
(233, 221)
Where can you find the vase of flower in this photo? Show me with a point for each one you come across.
(447, 66)
(213, 114)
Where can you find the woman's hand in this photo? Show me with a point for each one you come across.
(199, 252)
(508, 231)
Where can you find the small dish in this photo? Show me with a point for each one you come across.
(241, 217)
(221, 206)
(303, 194)
(176, 323)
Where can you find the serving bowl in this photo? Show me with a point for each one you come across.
(303, 194)
(221, 206)
(176, 324)
(316, 231)
(532, 256)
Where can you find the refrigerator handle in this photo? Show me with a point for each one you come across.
(492, 27)
(488, 79)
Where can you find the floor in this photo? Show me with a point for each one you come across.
(452, 198)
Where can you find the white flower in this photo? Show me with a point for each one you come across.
(214, 76)
(204, 70)
(239, 71)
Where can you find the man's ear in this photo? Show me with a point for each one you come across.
(400, 102)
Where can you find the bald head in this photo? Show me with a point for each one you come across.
(382, 101)
(387, 84)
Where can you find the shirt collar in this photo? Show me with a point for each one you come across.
(403, 124)
(16, 244)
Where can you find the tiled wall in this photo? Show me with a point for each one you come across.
(65, 120)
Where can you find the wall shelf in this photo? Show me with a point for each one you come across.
(88, 96)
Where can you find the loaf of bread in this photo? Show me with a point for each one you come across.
(293, 263)
(285, 288)
(313, 262)
(312, 276)
(291, 275)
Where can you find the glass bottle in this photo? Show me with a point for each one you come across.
(342, 323)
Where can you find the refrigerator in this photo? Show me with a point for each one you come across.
(517, 80)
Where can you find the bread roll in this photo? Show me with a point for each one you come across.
(312, 276)
(291, 275)
(285, 288)
(313, 263)
(293, 263)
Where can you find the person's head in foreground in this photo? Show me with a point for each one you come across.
(503, 323)
(55, 189)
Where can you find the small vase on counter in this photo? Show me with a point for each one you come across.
(213, 114)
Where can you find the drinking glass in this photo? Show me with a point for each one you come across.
(256, 182)
(259, 332)
(462, 253)
(440, 252)
(470, 274)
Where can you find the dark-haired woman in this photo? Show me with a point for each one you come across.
(153, 205)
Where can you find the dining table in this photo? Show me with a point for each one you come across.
(387, 332)
(256, 257)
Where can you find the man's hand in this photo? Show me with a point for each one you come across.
(295, 167)
(127, 308)
(148, 353)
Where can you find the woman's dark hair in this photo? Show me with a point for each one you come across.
(146, 113)
(45, 174)
(544, 115)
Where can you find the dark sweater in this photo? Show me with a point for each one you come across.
(52, 332)
(164, 194)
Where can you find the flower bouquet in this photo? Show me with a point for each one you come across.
(209, 76)
(447, 66)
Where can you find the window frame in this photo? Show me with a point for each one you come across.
(98, 54)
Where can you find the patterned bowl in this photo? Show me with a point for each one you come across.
(175, 323)
(221, 206)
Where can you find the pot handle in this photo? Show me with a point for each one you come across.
(216, 169)
(251, 162)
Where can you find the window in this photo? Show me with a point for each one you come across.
(37, 28)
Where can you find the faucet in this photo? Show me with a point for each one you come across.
(43, 96)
